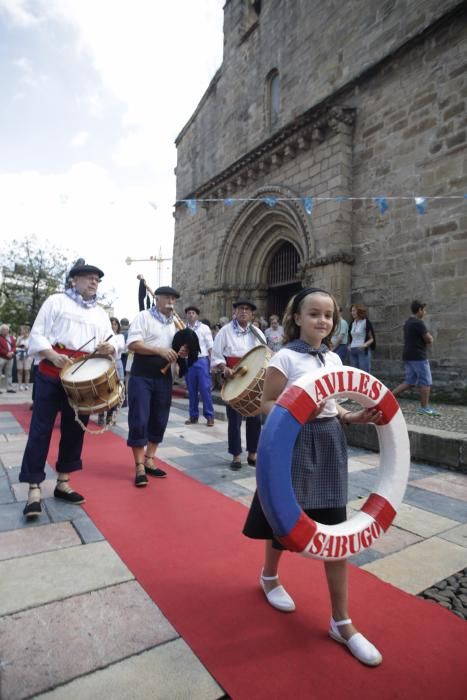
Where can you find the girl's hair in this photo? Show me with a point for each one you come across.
(362, 311)
(112, 319)
(291, 330)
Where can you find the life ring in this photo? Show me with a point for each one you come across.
(291, 526)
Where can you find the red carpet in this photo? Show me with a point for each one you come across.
(182, 540)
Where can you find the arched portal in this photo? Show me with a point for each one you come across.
(259, 244)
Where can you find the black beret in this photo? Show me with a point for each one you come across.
(244, 302)
(192, 308)
(168, 291)
(80, 268)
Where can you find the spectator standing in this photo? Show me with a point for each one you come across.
(274, 334)
(416, 364)
(23, 361)
(362, 338)
(7, 356)
(340, 339)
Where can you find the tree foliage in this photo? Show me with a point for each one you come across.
(31, 271)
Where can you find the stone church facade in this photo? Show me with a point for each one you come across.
(339, 102)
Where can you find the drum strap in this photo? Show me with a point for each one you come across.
(48, 368)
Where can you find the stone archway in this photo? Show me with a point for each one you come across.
(254, 237)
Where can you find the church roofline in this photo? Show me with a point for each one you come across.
(209, 90)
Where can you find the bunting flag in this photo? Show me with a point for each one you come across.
(382, 202)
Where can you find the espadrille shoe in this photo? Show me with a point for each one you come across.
(358, 645)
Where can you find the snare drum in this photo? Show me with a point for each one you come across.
(91, 386)
(243, 392)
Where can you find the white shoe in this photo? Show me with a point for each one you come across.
(278, 597)
(358, 645)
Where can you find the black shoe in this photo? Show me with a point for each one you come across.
(11, 391)
(32, 510)
(141, 480)
(190, 421)
(155, 471)
(251, 461)
(235, 466)
(72, 497)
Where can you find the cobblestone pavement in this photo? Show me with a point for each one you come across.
(450, 593)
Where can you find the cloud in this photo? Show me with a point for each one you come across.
(79, 139)
(17, 12)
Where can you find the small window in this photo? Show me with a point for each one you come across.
(273, 93)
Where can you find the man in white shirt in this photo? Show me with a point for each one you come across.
(198, 378)
(233, 341)
(65, 322)
(150, 385)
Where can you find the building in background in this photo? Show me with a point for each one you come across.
(337, 100)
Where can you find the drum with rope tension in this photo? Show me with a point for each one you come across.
(92, 386)
(244, 390)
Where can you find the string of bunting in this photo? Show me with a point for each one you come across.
(421, 203)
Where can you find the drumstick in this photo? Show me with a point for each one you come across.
(88, 356)
(83, 346)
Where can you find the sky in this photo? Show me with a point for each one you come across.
(94, 93)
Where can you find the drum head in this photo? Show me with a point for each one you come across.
(253, 362)
(91, 369)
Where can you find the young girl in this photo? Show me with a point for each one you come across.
(319, 464)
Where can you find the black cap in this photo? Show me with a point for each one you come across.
(192, 308)
(244, 302)
(80, 268)
(168, 291)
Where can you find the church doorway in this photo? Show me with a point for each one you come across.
(282, 278)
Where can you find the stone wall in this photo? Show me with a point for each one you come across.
(398, 129)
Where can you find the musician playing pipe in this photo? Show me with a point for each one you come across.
(233, 341)
(149, 388)
(65, 322)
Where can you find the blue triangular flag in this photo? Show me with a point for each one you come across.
(270, 201)
(191, 204)
(308, 204)
(420, 204)
(229, 201)
(382, 203)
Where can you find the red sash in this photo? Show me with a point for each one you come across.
(49, 369)
(231, 362)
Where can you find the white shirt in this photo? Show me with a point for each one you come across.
(205, 338)
(62, 320)
(228, 344)
(358, 331)
(119, 342)
(294, 365)
(150, 331)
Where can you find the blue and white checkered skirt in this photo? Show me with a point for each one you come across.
(319, 465)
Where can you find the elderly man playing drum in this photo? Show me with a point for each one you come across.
(231, 343)
(65, 323)
(150, 385)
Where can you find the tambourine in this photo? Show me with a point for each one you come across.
(291, 526)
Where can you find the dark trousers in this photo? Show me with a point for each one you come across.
(148, 409)
(198, 381)
(253, 430)
(49, 399)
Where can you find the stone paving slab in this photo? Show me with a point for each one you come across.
(12, 460)
(6, 494)
(452, 485)
(97, 629)
(436, 503)
(164, 452)
(21, 543)
(458, 535)
(357, 465)
(86, 529)
(416, 568)
(148, 676)
(11, 518)
(60, 574)
(416, 520)
(394, 540)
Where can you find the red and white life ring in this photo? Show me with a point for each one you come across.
(291, 526)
